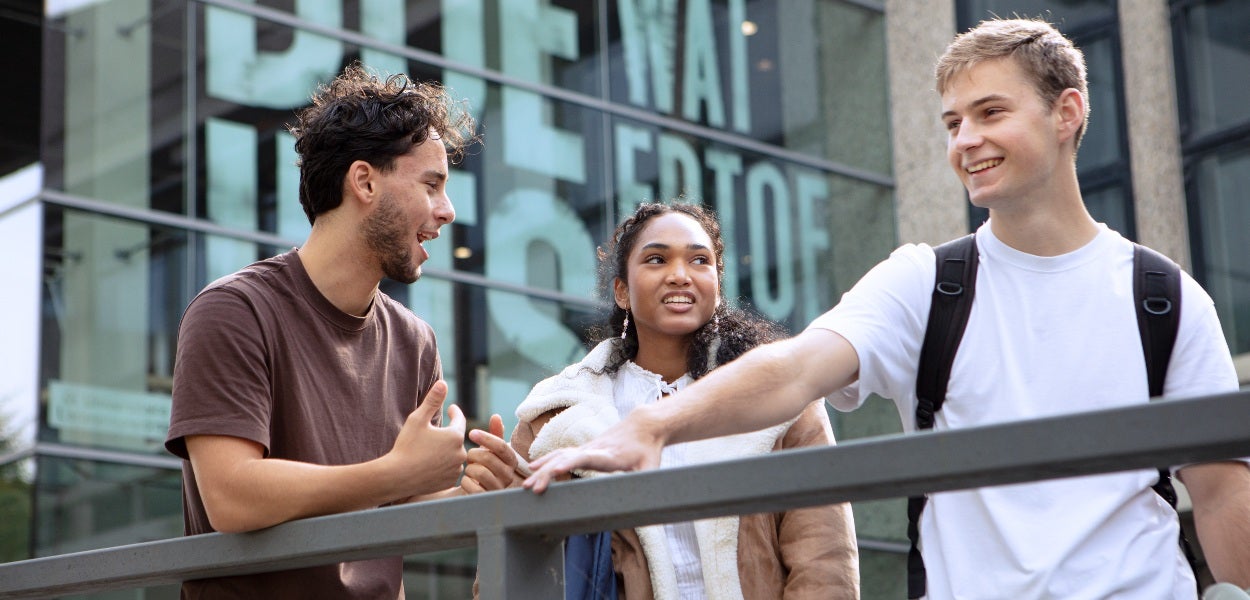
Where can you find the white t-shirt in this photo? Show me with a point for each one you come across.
(1046, 336)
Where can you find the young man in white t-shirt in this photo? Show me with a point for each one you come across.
(1052, 331)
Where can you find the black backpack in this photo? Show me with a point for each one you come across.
(1156, 293)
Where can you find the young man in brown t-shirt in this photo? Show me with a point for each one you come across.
(300, 389)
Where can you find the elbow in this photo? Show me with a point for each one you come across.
(226, 521)
(226, 515)
(231, 525)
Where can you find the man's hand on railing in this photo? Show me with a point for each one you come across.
(631, 445)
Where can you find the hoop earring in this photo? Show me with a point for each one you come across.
(625, 325)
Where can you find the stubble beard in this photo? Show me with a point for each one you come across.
(386, 234)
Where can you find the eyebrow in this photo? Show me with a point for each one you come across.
(659, 246)
(978, 102)
(439, 175)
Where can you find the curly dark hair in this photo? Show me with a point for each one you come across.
(359, 116)
(731, 332)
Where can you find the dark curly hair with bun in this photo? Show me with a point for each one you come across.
(360, 116)
(731, 332)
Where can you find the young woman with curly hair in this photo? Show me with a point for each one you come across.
(669, 326)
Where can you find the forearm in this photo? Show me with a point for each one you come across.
(242, 490)
(1221, 496)
(263, 492)
(766, 386)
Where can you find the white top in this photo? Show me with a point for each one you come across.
(635, 386)
(1046, 336)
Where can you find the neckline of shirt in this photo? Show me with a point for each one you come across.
(992, 248)
(322, 305)
(666, 388)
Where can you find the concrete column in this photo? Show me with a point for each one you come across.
(1153, 129)
(931, 204)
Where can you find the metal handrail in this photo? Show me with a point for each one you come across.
(519, 535)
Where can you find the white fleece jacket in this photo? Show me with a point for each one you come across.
(584, 392)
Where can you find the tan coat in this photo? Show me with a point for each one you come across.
(795, 555)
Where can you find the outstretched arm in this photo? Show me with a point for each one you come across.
(763, 387)
(1221, 496)
(243, 491)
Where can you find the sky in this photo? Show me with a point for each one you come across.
(21, 228)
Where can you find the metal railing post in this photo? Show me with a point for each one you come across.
(517, 566)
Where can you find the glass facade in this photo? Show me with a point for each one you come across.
(1213, 89)
(166, 164)
(610, 106)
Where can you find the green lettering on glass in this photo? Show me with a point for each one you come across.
(630, 189)
(384, 20)
(726, 166)
(463, 27)
(292, 222)
(811, 187)
(531, 32)
(777, 302)
(680, 172)
(524, 218)
(649, 37)
(231, 200)
(238, 72)
(700, 69)
(738, 66)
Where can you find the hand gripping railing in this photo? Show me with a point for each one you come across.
(518, 534)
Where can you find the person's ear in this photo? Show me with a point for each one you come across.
(1069, 113)
(360, 182)
(621, 293)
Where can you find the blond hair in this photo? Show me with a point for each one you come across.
(1049, 60)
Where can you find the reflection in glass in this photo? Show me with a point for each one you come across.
(805, 76)
(786, 226)
(1066, 14)
(1107, 205)
(1215, 61)
(115, 291)
(83, 505)
(1103, 142)
(1224, 214)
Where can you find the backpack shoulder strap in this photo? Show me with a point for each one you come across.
(1157, 301)
(953, 290)
(1157, 298)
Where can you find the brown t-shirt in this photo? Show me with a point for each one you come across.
(263, 356)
